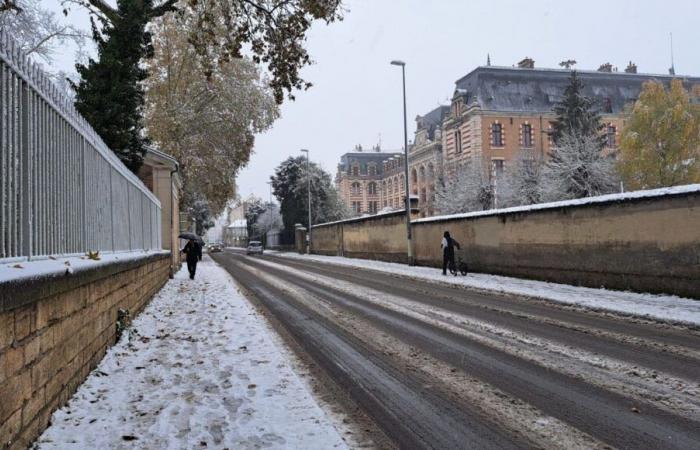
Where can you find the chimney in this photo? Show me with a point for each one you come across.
(607, 67)
(527, 63)
(631, 68)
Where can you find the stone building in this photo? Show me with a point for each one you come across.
(361, 180)
(497, 112)
(425, 158)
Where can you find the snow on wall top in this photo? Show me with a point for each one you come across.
(611, 198)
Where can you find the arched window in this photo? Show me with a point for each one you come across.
(421, 174)
(396, 185)
(356, 188)
(372, 188)
(384, 188)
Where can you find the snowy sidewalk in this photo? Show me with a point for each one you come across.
(201, 369)
(661, 307)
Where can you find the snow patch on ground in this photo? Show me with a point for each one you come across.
(200, 369)
(660, 307)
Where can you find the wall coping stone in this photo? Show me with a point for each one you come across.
(24, 291)
(602, 200)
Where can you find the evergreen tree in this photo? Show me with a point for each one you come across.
(576, 115)
(289, 184)
(110, 95)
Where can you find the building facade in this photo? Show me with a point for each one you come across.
(498, 112)
(425, 159)
(362, 177)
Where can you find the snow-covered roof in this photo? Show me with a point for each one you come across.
(611, 198)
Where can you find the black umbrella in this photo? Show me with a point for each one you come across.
(190, 236)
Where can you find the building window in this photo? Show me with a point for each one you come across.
(372, 170)
(356, 207)
(396, 185)
(355, 170)
(356, 189)
(612, 132)
(527, 135)
(458, 141)
(373, 207)
(498, 166)
(497, 135)
(372, 189)
(421, 174)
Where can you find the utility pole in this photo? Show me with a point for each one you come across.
(405, 148)
(308, 188)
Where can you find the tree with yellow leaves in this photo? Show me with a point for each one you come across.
(660, 143)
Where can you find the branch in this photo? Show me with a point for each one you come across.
(158, 11)
(109, 12)
(10, 5)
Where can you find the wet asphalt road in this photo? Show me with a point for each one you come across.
(607, 381)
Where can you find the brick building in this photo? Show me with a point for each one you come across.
(366, 180)
(497, 112)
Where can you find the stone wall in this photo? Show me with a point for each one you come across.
(55, 330)
(643, 242)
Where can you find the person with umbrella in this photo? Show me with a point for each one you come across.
(193, 250)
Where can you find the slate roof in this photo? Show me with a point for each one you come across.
(537, 90)
(432, 120)
(363, 158)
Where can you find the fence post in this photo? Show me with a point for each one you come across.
(26, 186)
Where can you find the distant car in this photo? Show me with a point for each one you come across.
(254, 247)
(216, 247)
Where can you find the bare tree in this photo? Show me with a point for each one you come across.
(38, 31)
(578, 168)
(467, 188)
(521, 184)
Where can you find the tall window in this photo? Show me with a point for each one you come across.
(458, 141)
(356, 207)
(356, 188)
(372, 189)
(396, 185)
(421, 174)
(497, 167)
(497, 135)
(356, 170)
(373, 207)
(391, 186)
(612, 131)
(527, 135)
(372, 170)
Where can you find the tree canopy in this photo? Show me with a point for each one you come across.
(576, 114)
(289, 184)
(110, 94)
(208, 123)
(660, 143)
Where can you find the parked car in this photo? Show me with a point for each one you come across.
(216, 247)
(254, 247)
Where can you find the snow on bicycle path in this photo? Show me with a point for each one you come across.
(200, 369)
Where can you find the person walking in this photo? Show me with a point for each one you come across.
(194, 253)
(448, 252)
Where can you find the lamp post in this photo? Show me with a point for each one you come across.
(405, 148)
(308, 188)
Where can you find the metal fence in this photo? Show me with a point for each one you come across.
(62, 191)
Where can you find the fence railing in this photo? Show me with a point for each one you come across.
(62, 191)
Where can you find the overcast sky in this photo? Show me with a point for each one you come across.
(356, 97)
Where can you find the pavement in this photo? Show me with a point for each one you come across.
(199, 368)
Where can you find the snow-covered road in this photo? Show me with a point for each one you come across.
(200, 369)
(669, 308)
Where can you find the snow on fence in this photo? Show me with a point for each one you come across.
(62, 191)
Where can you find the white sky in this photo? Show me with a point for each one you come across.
(357, 95)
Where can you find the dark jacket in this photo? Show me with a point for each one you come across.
(193, 251)
(449, 249)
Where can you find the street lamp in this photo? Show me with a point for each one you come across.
(405, 149)
(308, 188)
